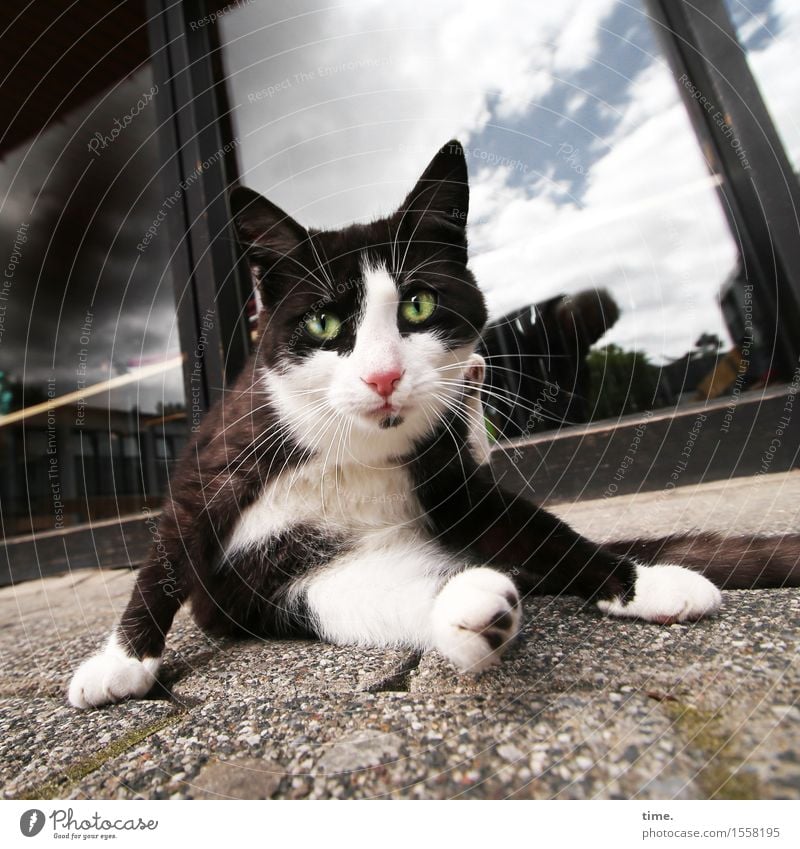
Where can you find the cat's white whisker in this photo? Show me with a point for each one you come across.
(478, 422)
(275, 430)
(250, 413)
(540, 412)
(426, 263)
(420, 219)
(253, 448)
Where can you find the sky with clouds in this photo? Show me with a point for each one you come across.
(584, 168)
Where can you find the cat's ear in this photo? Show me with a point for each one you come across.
(441, 196)
(264, 229)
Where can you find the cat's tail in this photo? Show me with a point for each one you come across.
(738, 562)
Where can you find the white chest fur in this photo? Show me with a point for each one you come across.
(350, 499)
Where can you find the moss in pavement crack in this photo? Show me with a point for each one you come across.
(720, 777)
(58, 786)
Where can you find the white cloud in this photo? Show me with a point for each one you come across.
(412, 75)
(648, 227)
(777, 73)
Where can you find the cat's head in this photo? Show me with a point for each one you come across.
(368, 331)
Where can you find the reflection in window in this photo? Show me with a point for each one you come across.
(769, 30)
(595, 227)
(89, 351)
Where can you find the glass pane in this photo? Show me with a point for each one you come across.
(89, 350)
(769, 30)
(595, 230)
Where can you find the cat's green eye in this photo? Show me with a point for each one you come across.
(323, 326)
(419, 307)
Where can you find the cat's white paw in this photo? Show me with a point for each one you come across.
(475, 617)
(666, 594)
(111, 676)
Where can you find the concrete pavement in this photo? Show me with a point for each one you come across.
(583, 707)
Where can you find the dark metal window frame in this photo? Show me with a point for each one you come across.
(195, 133)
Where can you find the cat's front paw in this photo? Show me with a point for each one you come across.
(475, 617)
(111, 676)
(667, 594)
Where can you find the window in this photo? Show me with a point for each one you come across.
(620, 254)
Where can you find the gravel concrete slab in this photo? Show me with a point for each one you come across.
(582, 707)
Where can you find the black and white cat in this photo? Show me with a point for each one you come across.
(339, 491)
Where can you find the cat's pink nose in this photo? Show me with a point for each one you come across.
(383, 382)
